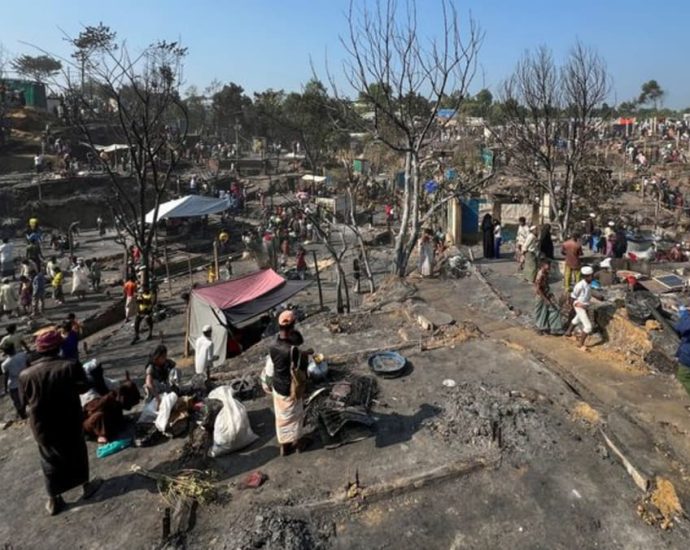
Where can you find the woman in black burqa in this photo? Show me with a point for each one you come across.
(488, 235)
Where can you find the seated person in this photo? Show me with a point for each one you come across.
(161, 379)
(104, 405)
(161, 375)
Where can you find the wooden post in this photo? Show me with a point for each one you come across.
(191, 276)
(318, 278)
(188, 315)
(216, 267)
(167, 268)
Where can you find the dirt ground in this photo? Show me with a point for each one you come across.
(512, 454)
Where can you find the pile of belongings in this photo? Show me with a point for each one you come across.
(341, 411)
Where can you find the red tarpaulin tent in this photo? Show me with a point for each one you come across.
(236, 301)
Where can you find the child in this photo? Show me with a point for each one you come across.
(56, 283)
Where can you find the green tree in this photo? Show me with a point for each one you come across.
(89, 42)
(38, 68)
(229, 106)
(651, 93)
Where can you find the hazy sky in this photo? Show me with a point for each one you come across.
(268, 43)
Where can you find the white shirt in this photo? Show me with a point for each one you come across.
(12, 366)
(582, 293)
(531, 243)
(522, 232)
(497, 231)
(203, 354)
(6, 253)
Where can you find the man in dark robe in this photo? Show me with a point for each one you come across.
(488, 235)
(51, 388)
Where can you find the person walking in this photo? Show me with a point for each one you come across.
(581, 297)
(547, 314)
(520, 238)
(51, 388)
(56, 283)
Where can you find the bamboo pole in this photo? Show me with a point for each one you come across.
(188, 315)
(191, 276)
(167, 268)
(216, 267)
(318, 278)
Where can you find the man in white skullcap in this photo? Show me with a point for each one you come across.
(581, 297)
(203, 352)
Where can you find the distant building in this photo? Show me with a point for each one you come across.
(23, 92)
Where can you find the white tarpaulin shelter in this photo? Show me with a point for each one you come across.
(109, 148)
(315, 179)
(189, 207)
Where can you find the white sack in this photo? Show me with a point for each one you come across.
(165, 409)
(231, 430)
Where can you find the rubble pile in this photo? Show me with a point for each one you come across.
(274, 531)
(490, 417)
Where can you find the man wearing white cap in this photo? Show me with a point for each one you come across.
(203, 352)
(581, 296)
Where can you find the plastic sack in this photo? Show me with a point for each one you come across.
(148, 413)
(165, 409)
(231, 430)
(266, 376)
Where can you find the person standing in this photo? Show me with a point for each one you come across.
(289, 379)
(25, 294)
(547, 314)
(145, 301)
(130, 291)
(488, 236)
(9, 299)
(51, 388)
(572, 250)
(301, 262)
(101, 226)
(80, 279)
(426, 254)
(530, 249)
(38, 296)
(546, 243)
(14, 363)
(520, 238)
(581, 297)
(203, 352)
(56, 283)
(498, 239)
(7, 259)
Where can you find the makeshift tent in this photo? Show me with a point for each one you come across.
(189, 207)
(315, 179)
(108, 148)
(236, 301)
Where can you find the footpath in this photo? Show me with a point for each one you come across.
(642, 415)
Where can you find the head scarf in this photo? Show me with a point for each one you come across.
(47, 341)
